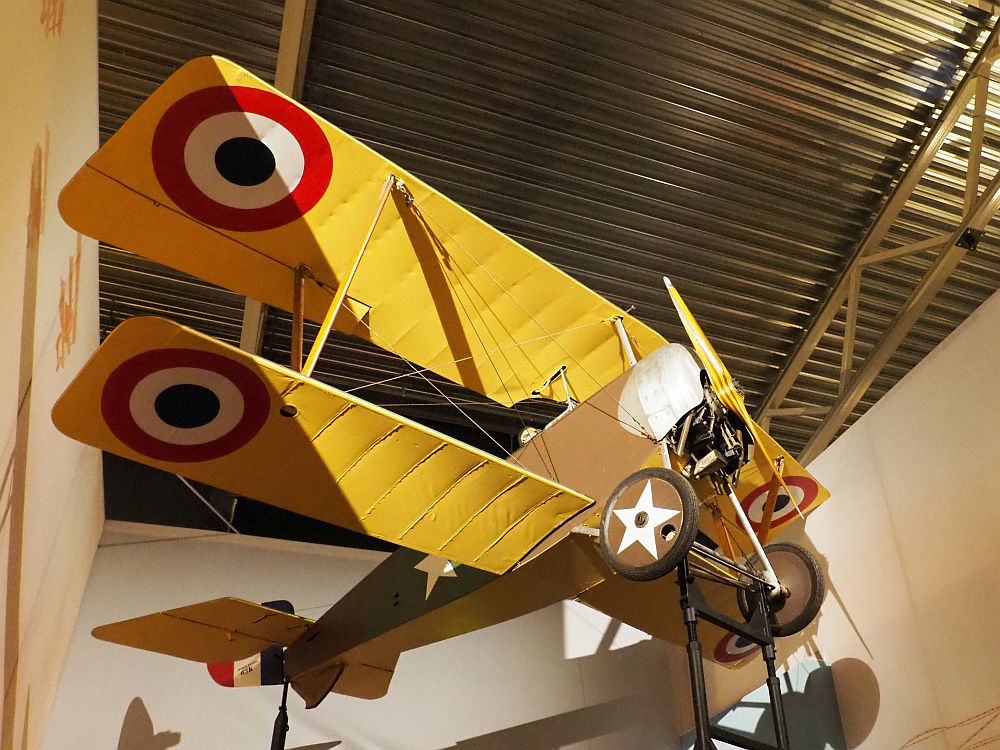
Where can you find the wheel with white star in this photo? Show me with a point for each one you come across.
(803, 589)
(649, 524)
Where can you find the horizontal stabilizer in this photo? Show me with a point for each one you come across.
(364, 681)
(220, 630)
(354, 679)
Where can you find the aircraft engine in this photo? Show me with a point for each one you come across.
(671, 397)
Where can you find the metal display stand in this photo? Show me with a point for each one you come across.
(758, 630)
(281, 721)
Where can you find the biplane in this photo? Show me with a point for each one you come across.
(655, 463)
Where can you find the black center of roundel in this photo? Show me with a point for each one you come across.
(781, 501)
(244, 161)
(186, 405)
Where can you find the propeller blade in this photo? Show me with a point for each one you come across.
(722, 381)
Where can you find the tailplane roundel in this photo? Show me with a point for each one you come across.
(265, 668)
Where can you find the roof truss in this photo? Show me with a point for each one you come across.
(968, 104)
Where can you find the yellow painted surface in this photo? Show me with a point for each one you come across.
(213, 632)
(439, 286)
(767, 451)
(339, 459)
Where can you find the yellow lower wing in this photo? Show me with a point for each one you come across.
(164, 395)
(213, 632)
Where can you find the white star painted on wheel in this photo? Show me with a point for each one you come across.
(435, 568)
(646, 534)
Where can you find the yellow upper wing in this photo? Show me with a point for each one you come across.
(166, 396)
(219, 175)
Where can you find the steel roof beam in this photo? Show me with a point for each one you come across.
(982, 211)
(870, 246)
(293, 46)
(289, 78)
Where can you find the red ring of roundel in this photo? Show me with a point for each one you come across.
(724, 656)
(809, 492)
(180, 120)
(119, 386)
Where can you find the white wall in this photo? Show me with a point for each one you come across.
(49, 485)
(535, 683)
(911, 538)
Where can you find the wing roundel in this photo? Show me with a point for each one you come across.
(163, 395)
(241, 158)
(184, 404)
(221, 176)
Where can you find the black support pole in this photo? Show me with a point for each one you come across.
(699, 696)
(281, 721)
(758, 630)
(773, 685)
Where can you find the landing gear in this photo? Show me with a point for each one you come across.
(797, 603)
(649, 524)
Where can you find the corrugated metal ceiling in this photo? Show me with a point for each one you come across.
(742, 148)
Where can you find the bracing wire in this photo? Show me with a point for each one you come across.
(421, 373)
(486, 353)
(417, 209)
(540, 446)
(208, 505)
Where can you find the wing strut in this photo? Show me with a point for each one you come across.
(764, 529)
(626, 344)
(298, 314)
(341, 295)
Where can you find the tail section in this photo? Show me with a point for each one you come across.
(264, 668)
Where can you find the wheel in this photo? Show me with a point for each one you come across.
(799, 573)
(649, 524)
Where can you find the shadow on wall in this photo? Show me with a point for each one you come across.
(561, 730)
(855, 684)
(137, 730)
(859, 697)
(816, 719)
(814, 715)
